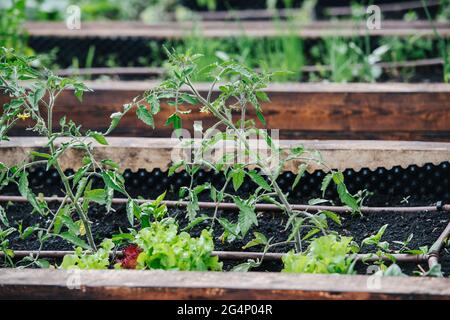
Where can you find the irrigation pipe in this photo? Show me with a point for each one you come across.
(436, 248)
(234, 255)
(259, 206)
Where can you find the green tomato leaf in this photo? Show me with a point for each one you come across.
(238, 176)
(116, 117)
(43, 264)
(153, 101)
(72, 238)
(261, 117)
(246, 266)
(113, 181)
(325, 183)
(333, 216)
(196, 222)
(99, 137)
(37, 95)
(40, 155)
(301, 171)
(247, 216)
(28, 232)
(133, 210)
(96, 195)
(259, 180)
(262, 96)
(3, 217)
(145, 116)
(347, 198)
(27, 193)
(259, 239)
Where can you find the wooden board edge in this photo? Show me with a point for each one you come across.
(152, 153)
(127, 284)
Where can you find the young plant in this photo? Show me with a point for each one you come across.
(284, 52)
(83, 259)
(345, 60)
(11, 25)
(240, 94)
(443, 44)
(163, 247)
(384, 250)
(159, 245)
(326, 254)
(4, 246)
(36, 102)
(406, 48)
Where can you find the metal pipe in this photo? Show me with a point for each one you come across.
(259, 206)
(433, 256)
(432, 261)
(237, 255)
(437, 246)
(388, 7)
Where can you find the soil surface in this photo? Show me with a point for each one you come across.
(395, 187)
(425, 227)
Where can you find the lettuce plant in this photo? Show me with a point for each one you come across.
(4, 246)
(83, 259)
(159, 244)
(130, 255)
(164, 248)
(326, 254)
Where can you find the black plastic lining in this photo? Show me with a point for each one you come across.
(430, 180)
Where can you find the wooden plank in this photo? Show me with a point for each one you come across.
(255, 14)
(220, 29)
(160, 285)
(300, 111)
(387, 7)
(151, 153)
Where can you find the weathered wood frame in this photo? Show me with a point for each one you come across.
(160, 285)
(138, 153)
(151, 153)
(223, 29)
(299, 111)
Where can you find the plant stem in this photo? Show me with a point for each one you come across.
(64, 179)
(273, 181)
(78, 208)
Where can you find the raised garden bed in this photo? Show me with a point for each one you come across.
(323, 10)
(294, 206)
(100, 44)
(299, 111)
(159, 285)
(427, 224)
(221, 29)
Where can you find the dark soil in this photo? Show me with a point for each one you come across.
(426, 228)
(412, 186)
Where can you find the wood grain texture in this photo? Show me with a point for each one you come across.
(308, 111)
(115, 284)
(221, 29)
(151, 153)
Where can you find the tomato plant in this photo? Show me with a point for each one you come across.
(35, 102)
(240, 90)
